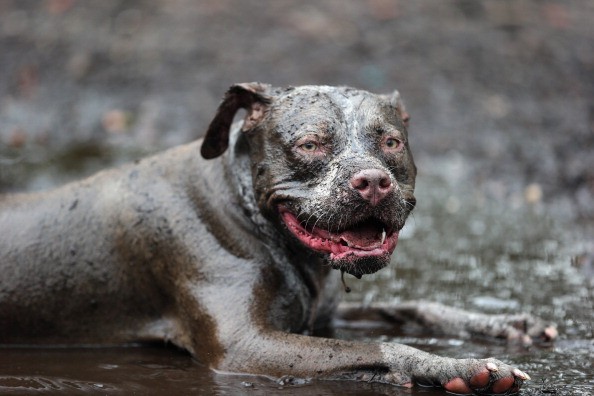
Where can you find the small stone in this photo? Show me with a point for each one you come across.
(115, 121)
(533, 193)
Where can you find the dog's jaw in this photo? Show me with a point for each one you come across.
(358, 250)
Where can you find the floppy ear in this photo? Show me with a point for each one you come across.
(396, 101)
(249, 96)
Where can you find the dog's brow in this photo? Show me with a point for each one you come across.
(321, 125)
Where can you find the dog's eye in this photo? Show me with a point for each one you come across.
(392, 143)
(309, 147)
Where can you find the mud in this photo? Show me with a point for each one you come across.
(501, 97)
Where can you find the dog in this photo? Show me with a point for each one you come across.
(236, 256)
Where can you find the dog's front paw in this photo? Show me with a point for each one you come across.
(488, 377)
(526, 328)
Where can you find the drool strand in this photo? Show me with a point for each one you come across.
(346, 288)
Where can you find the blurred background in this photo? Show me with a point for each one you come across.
(507, 85)
(501, 95)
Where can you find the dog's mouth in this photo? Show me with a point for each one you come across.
(369, 238)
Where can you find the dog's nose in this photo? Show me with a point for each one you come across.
(372, 184)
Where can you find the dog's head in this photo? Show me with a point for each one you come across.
(331, 167)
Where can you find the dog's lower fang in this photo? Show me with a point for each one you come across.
(383, 236)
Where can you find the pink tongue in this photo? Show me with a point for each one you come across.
(365, 236)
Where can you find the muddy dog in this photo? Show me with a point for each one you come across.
(232, 256)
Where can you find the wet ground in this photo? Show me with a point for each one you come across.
(504, 260)
(502, 99)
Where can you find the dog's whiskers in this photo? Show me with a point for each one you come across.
(318, 220)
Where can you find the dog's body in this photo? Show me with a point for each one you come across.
(232, 258)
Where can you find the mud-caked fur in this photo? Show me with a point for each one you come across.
(203, 250)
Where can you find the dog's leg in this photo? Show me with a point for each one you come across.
(284, 354)
(226, 332)
(513, 327)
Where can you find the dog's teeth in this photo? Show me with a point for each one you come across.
(383, 236)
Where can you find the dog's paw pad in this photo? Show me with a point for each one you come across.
(458, 386)
(503, 385)
(491, 379)
(482, 378)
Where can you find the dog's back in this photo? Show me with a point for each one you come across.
(67, 258)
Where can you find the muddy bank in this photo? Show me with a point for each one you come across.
(501, 96)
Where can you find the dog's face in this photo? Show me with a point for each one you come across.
(332, 168)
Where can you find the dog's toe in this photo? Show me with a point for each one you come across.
(490, 378)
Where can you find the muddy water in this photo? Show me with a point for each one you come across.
(461, 247)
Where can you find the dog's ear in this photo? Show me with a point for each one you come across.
(396, 101)
(252, 97)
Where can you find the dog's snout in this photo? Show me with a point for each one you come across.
(372, 184)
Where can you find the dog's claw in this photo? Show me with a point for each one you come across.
(521, 375)
(550, 333)
(492, 367)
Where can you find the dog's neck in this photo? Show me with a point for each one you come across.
(237, 169)
(310, 266)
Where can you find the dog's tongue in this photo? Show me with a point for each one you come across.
(363, 237)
